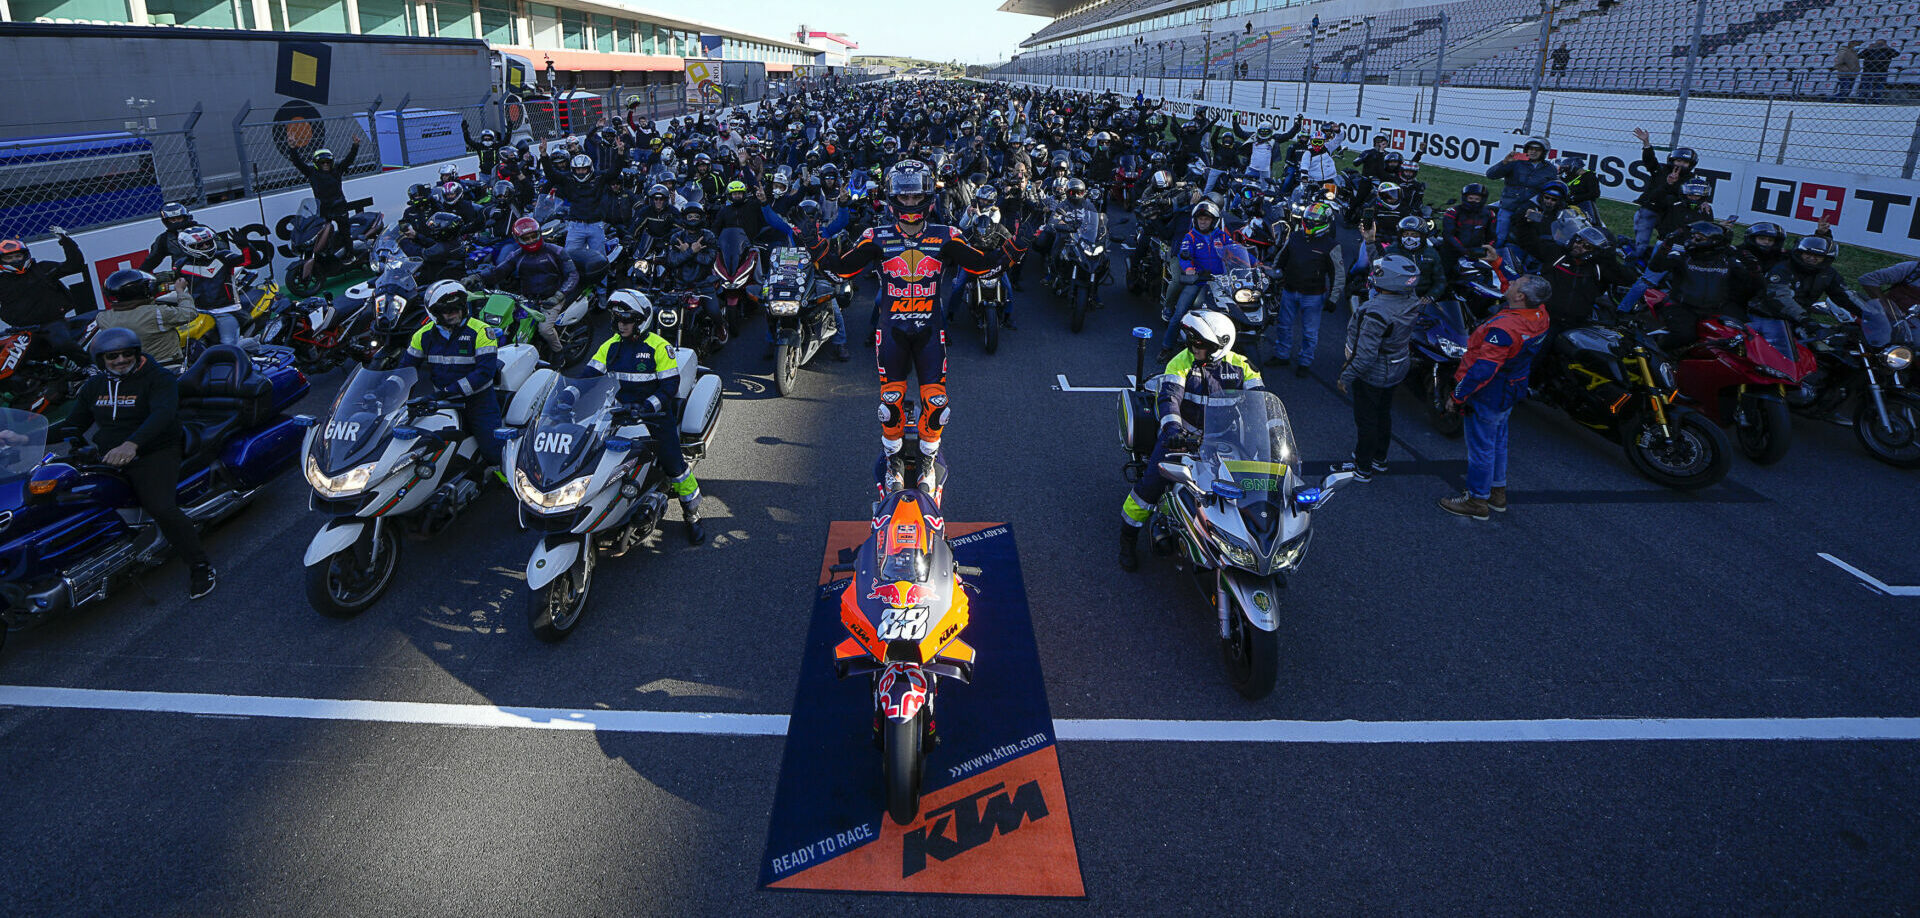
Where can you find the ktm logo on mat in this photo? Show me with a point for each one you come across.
(965, 824)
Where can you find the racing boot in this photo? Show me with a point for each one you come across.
(1129, 550)
(690, 511)
(896, 475)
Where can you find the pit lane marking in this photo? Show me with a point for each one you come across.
(1065, 386)
(1853, 729)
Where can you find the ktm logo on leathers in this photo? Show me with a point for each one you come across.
(971, 825)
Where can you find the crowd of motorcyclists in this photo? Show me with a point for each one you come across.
(930, 188)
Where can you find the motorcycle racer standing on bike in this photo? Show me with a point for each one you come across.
(912, 336)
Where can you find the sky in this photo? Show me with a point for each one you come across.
(969, 31)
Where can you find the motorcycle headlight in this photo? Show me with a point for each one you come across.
(783, 308)
(1237, 554)
(642, 266)
(559, 498)
(1095, 251)
(1452, 349)
(1665, 372)
(1897, 357)
(1289, 552)
(1245, 295)
(352, 481)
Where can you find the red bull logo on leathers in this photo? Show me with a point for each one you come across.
(912, 265)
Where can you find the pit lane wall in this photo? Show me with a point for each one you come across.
(1875, 211)
(110, 248)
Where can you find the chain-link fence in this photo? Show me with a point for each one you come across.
(89, 175)
(85, 175)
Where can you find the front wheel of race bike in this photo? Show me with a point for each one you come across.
(904, 750)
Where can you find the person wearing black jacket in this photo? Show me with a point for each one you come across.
(1580, 273)
(134, 407)
(173, 219)
(31, 292)
(590, 196)
(487, 147)
(324, 177)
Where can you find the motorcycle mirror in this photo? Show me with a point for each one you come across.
(303, 421)
(1333, 481)
(503, 434)
(1179, 473)
(406, 433)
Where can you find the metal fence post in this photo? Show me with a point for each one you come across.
(240, 146)
(193, 155)
(1540, 64)
(399, 127)
(1766, 122)
(1266, 69)
(1780, 156)
(1439, 63)
(1913, 151)
(1306, 89)
(1361, 96)
(373, 133)
(1686, 82)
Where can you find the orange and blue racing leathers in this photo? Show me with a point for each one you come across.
(912, 336)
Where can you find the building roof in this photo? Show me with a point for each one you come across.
(834, 37)
(1047, 8)
(624, 10)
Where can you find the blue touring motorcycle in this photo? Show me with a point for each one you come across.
(70, 529)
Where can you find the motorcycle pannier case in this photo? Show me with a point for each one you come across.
(1137, 429)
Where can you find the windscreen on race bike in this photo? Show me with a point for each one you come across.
(355, 428)
(564, 440)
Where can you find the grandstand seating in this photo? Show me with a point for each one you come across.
(1749, 47)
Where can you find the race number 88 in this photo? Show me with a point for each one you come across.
(904, 624)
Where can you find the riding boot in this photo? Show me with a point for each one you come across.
(690, 511)
(1129, 547)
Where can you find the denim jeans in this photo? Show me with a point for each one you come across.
(587, 245)
(226, 325)
(1502, 221)
(1631, 299)
(1644, 223)
(1306, 307)
(1183, 296)
(1487, 449)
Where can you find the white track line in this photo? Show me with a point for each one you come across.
(1872, 582)
(1191, 731)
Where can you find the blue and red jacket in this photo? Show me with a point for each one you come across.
(1493, 374)
(1201, 251)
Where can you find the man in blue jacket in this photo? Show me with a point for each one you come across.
(1199, 259)
(1524, 173)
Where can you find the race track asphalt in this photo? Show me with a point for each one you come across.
(1599, 596)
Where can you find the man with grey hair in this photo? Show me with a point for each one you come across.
(1491, 380)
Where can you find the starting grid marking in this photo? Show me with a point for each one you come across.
(1756, 729)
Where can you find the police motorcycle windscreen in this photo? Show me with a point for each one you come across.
(361, 421)
(1246, 454)
(565, 440)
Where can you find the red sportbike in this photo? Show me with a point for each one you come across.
(1126, 180)
(1738, 375)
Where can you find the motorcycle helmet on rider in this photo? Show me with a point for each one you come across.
(633, 310)
(447, 303)
(526, 232)
(1208, 335)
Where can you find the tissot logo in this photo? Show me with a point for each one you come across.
(965, 824)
